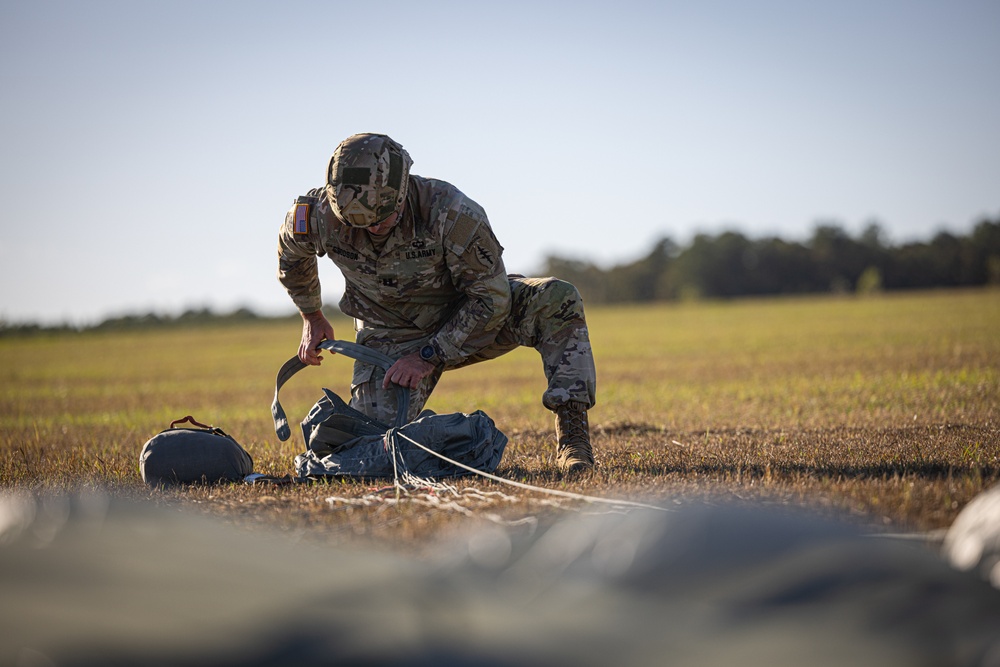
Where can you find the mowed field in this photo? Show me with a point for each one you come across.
(886, 409)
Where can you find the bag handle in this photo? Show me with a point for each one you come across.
(190, 420)
(208, 427)
(348, 349)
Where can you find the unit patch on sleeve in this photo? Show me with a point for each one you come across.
(301, 225)
(484, 250)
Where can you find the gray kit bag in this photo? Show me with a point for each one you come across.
(187, 455)
(343, 442)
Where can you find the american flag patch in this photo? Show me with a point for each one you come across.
(301, 219)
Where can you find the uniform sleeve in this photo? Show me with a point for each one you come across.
(475, 262)
(298, 246)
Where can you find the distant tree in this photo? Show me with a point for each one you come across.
(873, 237)
(984, 250)
(730, 265)
(691, 273)
(783, 268)
(588, 278)
(839, 259)
(641, 280)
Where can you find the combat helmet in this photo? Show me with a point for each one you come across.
(366, 179)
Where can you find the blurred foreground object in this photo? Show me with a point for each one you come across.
(973, 541)
(92, 581)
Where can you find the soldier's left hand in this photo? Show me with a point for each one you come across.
(408, 372)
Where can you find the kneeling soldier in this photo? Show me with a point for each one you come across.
(426, 284)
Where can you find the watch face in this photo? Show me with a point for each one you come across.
(426, 352)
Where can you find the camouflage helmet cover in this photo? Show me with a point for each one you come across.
(366, 179)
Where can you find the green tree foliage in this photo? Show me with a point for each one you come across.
(725, 266)
(731, 265)
(150, 320)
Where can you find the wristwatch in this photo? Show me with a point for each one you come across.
(429, 354)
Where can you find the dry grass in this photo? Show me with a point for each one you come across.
(886, 408)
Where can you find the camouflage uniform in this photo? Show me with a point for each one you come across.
(439, 279)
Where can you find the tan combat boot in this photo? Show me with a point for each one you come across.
(573, 453)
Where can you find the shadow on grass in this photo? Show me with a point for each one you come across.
(525, 475)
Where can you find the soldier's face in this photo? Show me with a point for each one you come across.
(384, 227)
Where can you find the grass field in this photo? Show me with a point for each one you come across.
(886, 408)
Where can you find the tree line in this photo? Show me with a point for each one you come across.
(724, 266)
(731, 265)
(191, 317)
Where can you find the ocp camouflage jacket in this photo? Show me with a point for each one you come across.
(439, 275)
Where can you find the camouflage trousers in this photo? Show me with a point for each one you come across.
(546, 314)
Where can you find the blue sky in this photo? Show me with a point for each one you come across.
(149, 150)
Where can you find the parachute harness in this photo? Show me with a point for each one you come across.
(407, 486)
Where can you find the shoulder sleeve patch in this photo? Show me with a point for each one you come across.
(484, 251)
(300, 224)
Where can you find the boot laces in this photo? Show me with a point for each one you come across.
(573, 434)
(572, 426)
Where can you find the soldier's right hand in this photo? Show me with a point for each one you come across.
(315, 329)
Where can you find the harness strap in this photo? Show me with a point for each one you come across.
(354, 351)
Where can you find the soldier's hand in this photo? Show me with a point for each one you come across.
(315, 329)
(408, 371)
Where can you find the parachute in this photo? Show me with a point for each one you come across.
(342, 442)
